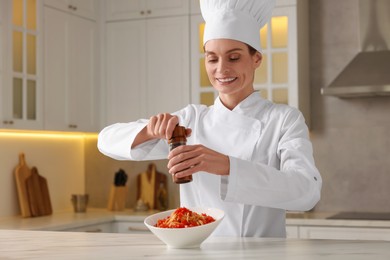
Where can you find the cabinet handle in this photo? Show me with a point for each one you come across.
(94, 230)
(72, 126)
(149, 12)
(137, 229)
(8, 122)
(71, 7)
(142, 12)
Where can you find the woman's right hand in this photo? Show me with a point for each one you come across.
(161, 126)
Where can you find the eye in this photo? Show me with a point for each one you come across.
(212, 59)
(234, 57)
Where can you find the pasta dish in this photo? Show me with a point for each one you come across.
(183, 218)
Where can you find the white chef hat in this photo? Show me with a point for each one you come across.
(239, 20)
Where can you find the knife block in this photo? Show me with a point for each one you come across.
(117, 199)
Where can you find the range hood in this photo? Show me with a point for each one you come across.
(368, 73)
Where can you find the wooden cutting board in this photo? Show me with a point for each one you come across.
(22, 172)
(38, 194)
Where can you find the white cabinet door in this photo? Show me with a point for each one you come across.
(292, 231)
(2, 8)
(147, 68)
(70, 69)
(130, 227)
(124, 9)
(98, 228)
(21, 76)
(168, 83)
(133, 9)
(348, 233)
(82, 94)
(84, 8)
(126, 71)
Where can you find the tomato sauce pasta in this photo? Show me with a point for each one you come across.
(183, 218)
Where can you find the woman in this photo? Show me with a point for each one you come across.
(249, 157)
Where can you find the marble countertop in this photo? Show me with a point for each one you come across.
(21, 244)
(68, 219)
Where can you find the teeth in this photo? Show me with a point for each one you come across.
(226, 79)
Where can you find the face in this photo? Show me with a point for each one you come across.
(230, 68)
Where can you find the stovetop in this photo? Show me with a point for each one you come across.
(362, 215)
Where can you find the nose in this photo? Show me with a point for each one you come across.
(223, 67)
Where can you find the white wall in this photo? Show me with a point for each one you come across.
(58, 158)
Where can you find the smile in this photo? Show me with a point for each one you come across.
(226, 80)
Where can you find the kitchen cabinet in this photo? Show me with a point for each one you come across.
(1, 54)
(84, 8)
(127, 227)
(95, 228)
(147, 65)
(70, 65)
(292, 231)
(134, 9)
(347, 233)
(283, 74)
(21, 73)
(124, 227)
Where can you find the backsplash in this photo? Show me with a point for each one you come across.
(72, 165)
(99, 176)
(58, 158)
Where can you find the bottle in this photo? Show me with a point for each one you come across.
(179, 138)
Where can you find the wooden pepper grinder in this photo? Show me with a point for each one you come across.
(179, 138)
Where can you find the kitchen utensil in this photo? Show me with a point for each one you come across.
(38, 194)
(22, 172)
(117, 199)
(120, 178)
(80, 202)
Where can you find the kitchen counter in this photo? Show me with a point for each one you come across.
(17, 244)
(63, 220)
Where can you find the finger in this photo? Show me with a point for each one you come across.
(184, 166)
(158, 124)
(178, 150)
(188, 132)
(151, 124)
(172, 122)
(163, 125)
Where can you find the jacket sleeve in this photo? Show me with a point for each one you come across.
(295, 185)
(115, 141)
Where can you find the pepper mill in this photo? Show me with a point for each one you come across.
(179, 138)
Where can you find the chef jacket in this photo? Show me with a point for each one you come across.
(271, 163)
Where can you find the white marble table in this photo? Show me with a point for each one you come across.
(18, 244)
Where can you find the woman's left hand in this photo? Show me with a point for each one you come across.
(185, 160)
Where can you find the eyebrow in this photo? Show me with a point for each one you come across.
(229, 51)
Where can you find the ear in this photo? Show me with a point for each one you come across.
(257, 59)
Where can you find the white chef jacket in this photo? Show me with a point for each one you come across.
(271, 163)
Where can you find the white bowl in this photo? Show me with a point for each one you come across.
(184, 237)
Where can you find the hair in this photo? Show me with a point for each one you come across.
(252, 51)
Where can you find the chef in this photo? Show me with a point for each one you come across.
(248, 156)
